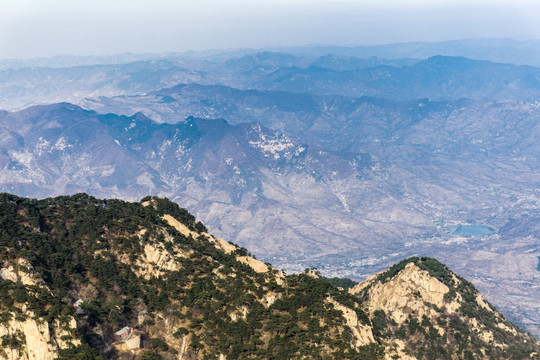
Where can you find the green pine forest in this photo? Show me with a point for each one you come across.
(82, 247)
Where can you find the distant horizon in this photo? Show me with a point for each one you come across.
(276, 48)
(34, 28)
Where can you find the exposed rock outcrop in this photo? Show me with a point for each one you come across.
(362, 333)
(406, 293)
(20, 271)
(28, 338)
(430, 308)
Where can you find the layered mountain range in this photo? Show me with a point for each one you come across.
(302, 147)
(437, 77)
(83, 278)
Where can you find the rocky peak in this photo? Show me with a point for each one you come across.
(406, 293)
(422, 301)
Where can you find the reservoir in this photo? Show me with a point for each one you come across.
(473, 230)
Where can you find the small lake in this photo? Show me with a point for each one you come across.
(473, 230)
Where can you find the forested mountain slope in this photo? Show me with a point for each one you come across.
(88, 278)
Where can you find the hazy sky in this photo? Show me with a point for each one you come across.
(32, 28)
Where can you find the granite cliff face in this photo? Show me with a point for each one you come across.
(25, 335)
(27, 338)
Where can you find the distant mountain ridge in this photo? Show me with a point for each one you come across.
(506, 51)
(437, 78)
(246, 170)
(496, 50)
(343, 123)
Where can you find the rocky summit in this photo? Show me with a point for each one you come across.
(428, 312)
(84, 278)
